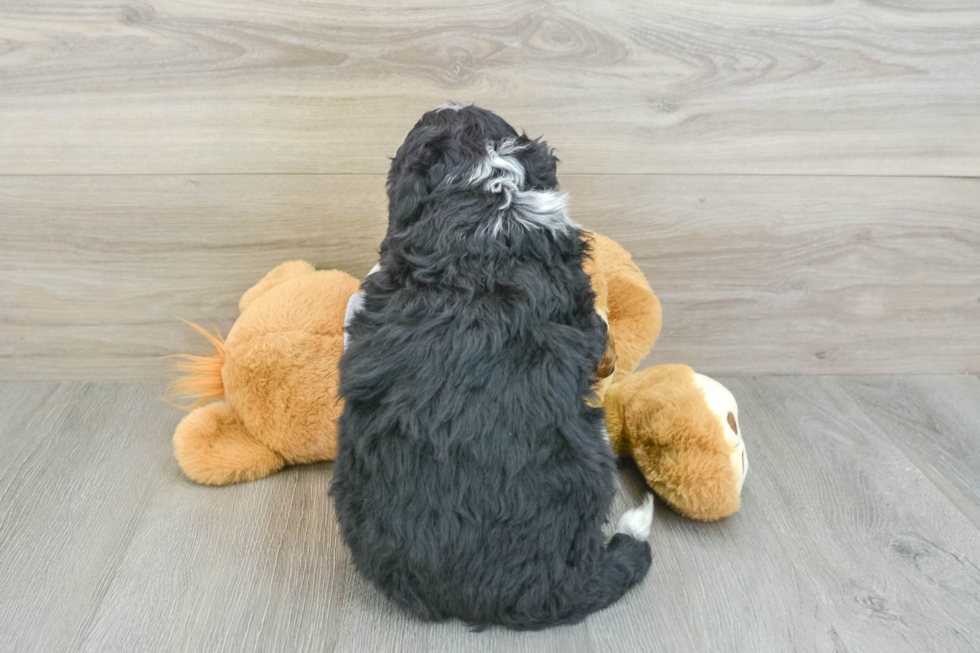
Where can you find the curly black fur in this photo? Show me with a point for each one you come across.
(472, 480)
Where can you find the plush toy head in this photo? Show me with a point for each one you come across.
(277, 372)
(681, 428)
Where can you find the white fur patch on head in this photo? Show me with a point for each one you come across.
(637, 522)
(452, 106)
(500, 170)
(502, 174)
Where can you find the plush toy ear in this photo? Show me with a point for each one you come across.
(281, 273)
(608, 364)
(633, 308)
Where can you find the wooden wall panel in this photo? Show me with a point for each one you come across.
(808, 275)
(756, 274)
(625, 86)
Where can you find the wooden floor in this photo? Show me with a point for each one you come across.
(859, 531)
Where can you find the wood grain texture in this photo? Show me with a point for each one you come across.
(842, 543)
(756, 274)
(943, 441)
(805, 274)
(619, 86)
(889, 559)
(77, 466)
(96, 271)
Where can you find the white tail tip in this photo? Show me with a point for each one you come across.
(637, 522)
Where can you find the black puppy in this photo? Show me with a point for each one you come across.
(472, 479)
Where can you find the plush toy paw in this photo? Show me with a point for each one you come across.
(682, 431)
(213, 448)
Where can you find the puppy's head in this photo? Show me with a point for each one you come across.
(475, 155)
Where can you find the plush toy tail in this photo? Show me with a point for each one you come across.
(203, 382)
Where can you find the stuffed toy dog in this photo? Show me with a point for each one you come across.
(266, 397)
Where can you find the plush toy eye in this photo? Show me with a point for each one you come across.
(731, 423)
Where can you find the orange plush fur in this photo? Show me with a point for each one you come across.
(277, 372)
(631, 308)
(659, 418)
(202, 380)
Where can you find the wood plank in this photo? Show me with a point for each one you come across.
(261, 567)
(619, 86)
(756, 274)
(803, 275)
(841, 542)
(889, 559)
(935, 421)
(19, 402)
(100, 268)
(76, 474)
(253, 567)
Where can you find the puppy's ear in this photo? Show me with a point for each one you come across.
(540, 163)
(410, 173)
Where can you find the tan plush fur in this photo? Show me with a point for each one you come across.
(633, 311)
(214, 448)
(277, 372)
(660, 418)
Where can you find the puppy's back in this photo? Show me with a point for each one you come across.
(472, 480)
